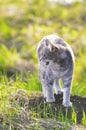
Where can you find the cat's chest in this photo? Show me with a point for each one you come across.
(55, 69)
(59, 70)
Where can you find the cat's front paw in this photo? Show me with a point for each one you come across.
(50, 99)
(67, 104)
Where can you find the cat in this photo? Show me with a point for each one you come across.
(56, 61)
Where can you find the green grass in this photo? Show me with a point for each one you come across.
(84, 119)
(9, 87)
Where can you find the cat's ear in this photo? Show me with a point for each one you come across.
(51, 46)
(54, 49)
(48, 44)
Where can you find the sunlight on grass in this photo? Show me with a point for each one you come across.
(84, 118)
(7, 57)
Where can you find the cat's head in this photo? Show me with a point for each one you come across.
(46, 49)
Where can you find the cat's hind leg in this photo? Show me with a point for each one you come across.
(66, 93)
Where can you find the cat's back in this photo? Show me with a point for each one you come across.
(58, 42)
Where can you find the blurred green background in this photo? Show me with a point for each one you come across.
(24, 22)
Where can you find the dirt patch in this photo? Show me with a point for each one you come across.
(79, 105)
(36, 103)
(35, 114)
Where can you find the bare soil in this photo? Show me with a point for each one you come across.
(35, 114)
(79, 105)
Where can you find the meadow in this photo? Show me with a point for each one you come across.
(22, 25)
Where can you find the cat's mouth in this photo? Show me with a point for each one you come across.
(44, 60)
(47, 62)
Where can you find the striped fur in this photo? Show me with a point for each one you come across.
(56, 61)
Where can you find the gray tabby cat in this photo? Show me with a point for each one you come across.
(56, 61)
